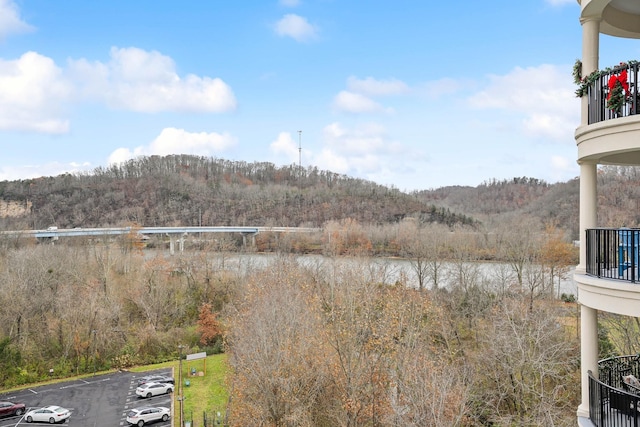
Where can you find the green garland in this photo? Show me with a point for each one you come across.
(584, 83)
(618, 92)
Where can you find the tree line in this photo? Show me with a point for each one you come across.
(330, 343)
(331, 346)
(192, 190)
(333, 342)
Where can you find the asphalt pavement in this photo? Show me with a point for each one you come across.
(99, 401)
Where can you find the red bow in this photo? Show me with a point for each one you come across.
(620, 78)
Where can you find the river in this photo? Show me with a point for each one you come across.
(392, 270)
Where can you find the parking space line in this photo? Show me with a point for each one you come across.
(125, 384)
(85, 383)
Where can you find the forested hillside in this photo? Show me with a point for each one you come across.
(493, 201)
(190, 190)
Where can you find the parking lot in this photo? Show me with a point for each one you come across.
(100, 401)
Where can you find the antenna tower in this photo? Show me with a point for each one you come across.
(300, 159)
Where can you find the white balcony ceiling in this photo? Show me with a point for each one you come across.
(628, 6)
(618, 18)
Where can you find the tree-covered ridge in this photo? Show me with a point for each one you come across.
(493, 201)
(191, 191)
(490, 197)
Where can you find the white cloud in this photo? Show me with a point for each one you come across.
(143, 81)
(10, 173)
(358, 97)
(543, 95)
(438, 88)
(563, 169)
(364, 150)
(374, 87)
(10, 21)
(332, 161)
(562, 163)
(549, 125)
(121, 155)
(296, 27)
(361, 141)
(32, 91)
(356, 103)
(177, 141)
(285, 145)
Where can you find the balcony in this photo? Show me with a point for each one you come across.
(597, 90)
(612, 253)
(613, 403)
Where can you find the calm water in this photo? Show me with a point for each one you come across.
(391, 270)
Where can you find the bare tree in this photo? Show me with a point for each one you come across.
(527, 363)
(424, 248)
(430, 385)
(276, 349)
(519, 245)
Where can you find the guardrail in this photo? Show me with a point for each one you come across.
(599, 92)
(610, 405)
(53, 232)
(612, 253)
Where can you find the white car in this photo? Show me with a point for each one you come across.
(49, 414)
(154, 389)
(147, 414)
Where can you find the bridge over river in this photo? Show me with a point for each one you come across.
(175, 234)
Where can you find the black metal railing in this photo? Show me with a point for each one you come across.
(612, 253)
(598, 92)
(610, 403)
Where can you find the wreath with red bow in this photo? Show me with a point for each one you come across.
(618, 91)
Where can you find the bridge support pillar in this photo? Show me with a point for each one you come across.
(172, 242)
(253, 239)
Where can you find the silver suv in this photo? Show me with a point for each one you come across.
(148, 414)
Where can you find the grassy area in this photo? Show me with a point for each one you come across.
(206, 391)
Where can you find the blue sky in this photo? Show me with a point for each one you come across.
(413, 94)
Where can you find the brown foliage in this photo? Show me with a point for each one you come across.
(340, 350)
(208, 326)
(191, 191)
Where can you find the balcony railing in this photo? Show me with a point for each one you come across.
(598, 92)
(610, 402)
(612, 253)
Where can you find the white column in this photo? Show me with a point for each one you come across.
(588, 353)
(590, 56)
(588, 208)
(590, 44)
(588, 219)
